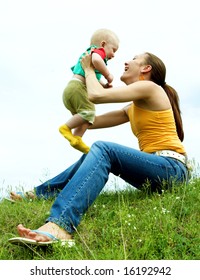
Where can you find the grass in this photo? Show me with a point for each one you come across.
(120, 225)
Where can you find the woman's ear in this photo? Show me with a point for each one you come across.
(146, 69)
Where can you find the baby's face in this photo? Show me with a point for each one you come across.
(110, 49)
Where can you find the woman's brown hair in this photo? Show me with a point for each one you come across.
(158, 74)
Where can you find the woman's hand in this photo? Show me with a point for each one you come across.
(86, 62)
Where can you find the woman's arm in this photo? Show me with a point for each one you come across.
(110, 119)
(97, 94)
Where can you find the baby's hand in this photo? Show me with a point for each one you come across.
(109, 78)
(107, 85)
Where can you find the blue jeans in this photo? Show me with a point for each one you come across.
(78, 186)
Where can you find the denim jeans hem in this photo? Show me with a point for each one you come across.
(64, 226)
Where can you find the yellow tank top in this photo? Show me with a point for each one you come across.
(155, 130)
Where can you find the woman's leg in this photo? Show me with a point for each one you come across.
(139, 168)
(133, 166)
(52, 187)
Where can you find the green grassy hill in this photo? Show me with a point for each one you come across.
(120, 225)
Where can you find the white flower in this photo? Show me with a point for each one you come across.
(165, 211)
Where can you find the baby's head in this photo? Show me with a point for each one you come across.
(107, 39)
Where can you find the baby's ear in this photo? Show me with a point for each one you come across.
(103, 44)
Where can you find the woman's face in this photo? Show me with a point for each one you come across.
(133, 69)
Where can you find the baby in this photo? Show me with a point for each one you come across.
(104, 43)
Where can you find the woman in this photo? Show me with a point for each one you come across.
(155, 119)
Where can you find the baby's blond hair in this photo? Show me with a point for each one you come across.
(104, 35)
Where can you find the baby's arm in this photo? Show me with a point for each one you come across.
(100, 65)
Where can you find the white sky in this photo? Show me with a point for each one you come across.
(40, 40)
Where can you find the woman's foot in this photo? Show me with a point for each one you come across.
(20, 195)
(49, 227)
